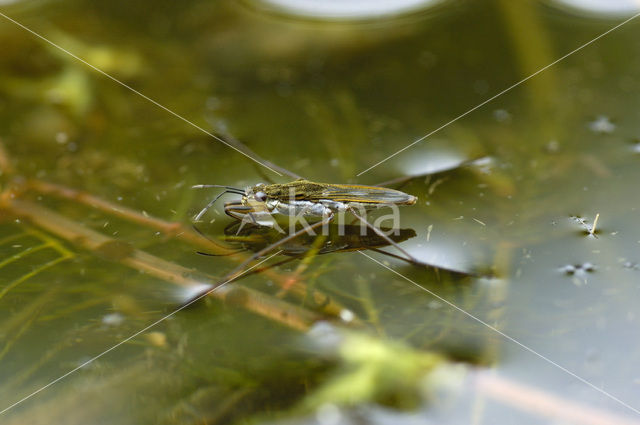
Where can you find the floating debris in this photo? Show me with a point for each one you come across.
(113, 319)
(589, 230)
(595, 223)
(478, 221)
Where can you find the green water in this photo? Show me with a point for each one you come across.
(326, 101)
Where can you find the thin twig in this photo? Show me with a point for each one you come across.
(595, 223)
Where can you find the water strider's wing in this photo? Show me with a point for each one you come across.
(364, 194)
(311, 191)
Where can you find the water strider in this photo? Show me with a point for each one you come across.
(303, 198)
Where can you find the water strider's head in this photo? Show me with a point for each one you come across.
(255, 193)
(258, 201)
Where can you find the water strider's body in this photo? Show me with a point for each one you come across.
(304, 198)
(308, 199)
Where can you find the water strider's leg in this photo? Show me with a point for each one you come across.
(390, 254)
(220, 186)
(234, 273)
(208, 254)
(244, 220)
(210, 204)
(281, 242)
(383, 235)
(236, 210)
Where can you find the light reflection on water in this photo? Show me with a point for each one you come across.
(346, 9)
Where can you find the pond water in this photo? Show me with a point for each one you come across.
(530, 314)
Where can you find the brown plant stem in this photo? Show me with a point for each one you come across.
(255, 301)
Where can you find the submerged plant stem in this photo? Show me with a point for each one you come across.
(89, 239)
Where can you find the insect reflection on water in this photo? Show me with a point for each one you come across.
(349, 238)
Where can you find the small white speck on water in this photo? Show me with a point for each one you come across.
(113, 319)
(553, 146)
(429, 229)
(434, 305)
(602, 124)
(62, 137)
(346, 315)
(478, 221)
(501, 115)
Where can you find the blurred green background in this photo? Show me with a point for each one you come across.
(327, 99)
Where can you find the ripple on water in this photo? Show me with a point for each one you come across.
(631, 265)
(578, 269)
